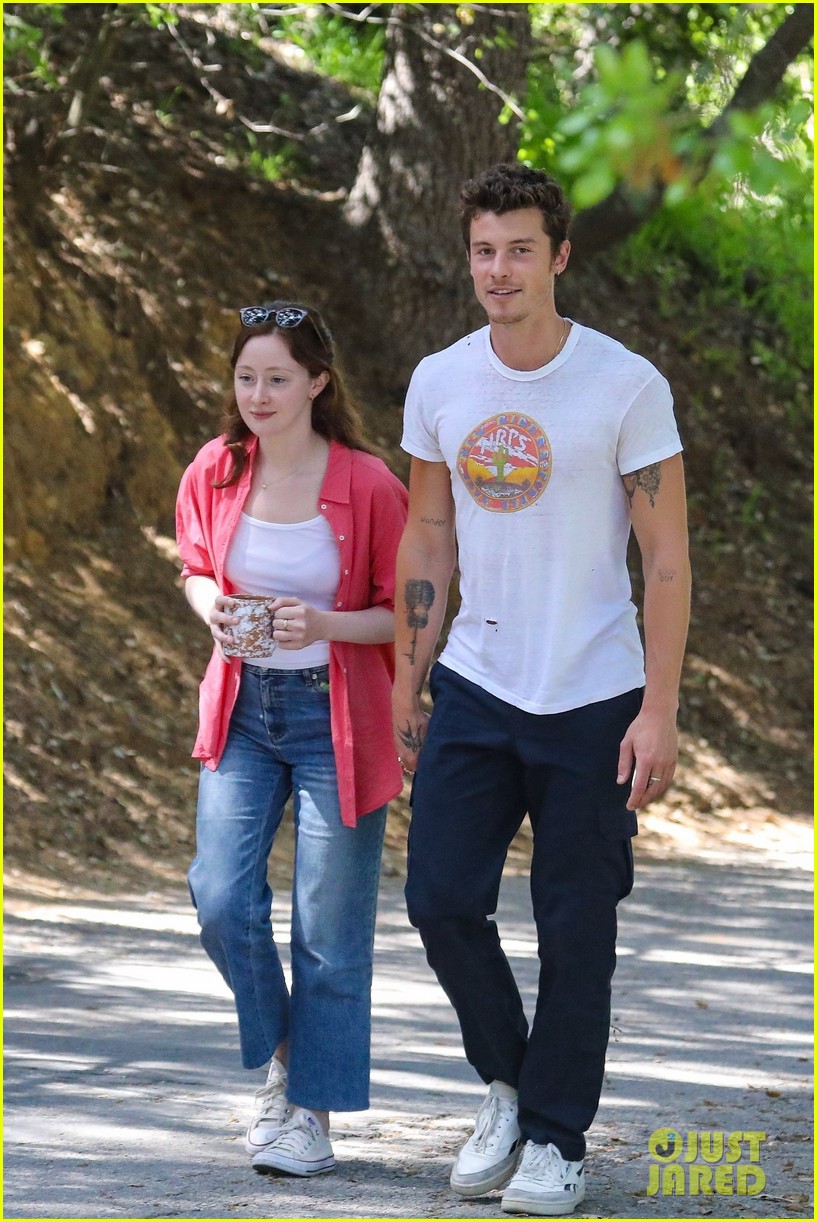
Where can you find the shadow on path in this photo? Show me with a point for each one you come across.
(124, 1096)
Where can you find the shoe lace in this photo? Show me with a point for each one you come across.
(270, 1100)
(293, 1132)
(546, 1161)
(490, 1119)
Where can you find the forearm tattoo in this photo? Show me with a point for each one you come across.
(648, 479)
(412, 740)
(419, 601)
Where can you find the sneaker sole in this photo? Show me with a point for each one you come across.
(519, 1203)
(496, 1177)
(287, 1167)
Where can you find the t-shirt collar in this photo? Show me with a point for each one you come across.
(531, 375)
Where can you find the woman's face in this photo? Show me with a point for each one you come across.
(273, 392)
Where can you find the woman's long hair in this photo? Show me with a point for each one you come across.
(334, 414)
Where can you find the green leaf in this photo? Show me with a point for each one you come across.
(593, 187)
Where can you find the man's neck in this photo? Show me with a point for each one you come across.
(528, 344)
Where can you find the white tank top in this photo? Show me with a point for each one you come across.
(296, 559)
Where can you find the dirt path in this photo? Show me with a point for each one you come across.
(124, 1097)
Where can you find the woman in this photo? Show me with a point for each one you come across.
(290, 504)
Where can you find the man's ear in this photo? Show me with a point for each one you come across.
(561, 257)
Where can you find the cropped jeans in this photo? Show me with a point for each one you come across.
(279, 744)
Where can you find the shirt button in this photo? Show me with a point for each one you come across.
(345, 572)
(323, 506)
(340, 604)
(341, 538)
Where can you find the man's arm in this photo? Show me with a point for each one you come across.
(658, 506)
(425, 563)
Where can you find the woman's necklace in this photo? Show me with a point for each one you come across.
(272, 483)
(280, 479)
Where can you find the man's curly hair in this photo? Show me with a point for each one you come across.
(507, 188)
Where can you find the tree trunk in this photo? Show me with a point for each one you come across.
(436, 126)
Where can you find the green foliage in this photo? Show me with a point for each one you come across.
(25, 46)
(629, 102)
(275, 166)
(161, 14)
(749, 253)
(348, 51)
(622, 129)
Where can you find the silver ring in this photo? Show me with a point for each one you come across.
(655, 778)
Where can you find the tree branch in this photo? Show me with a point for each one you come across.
(768, 67)
(225, 105)
(613, 219)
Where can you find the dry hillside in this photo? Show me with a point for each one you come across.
(120, 292)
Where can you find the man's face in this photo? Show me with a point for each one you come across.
(513, 266)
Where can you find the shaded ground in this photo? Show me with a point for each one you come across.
(124, 1098)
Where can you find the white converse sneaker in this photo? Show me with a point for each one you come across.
(271, 1110)
(545, 1184)
(488, 1158)
(301, 1148)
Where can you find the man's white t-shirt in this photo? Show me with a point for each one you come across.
(547, 621)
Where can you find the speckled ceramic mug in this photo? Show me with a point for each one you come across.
(252, 635)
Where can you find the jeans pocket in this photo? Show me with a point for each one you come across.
(318, 680)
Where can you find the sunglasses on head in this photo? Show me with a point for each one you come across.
(288, 316)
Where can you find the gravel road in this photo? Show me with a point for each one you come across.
(124, 1096)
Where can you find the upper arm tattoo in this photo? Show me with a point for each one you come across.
(648, 479)
(419, 595)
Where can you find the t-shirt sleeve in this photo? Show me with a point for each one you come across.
(419, 436)
(648, 432)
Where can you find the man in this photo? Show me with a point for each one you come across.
(537, 444)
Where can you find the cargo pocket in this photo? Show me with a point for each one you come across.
(615, 821)
(617, 824)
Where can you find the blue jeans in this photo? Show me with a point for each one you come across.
(279, 744)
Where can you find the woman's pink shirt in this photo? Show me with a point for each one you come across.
(365, 505)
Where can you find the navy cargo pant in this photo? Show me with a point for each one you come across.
(484, 764)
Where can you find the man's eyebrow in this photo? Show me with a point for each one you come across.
(510, 242)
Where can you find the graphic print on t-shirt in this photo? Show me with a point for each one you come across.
(505, 462)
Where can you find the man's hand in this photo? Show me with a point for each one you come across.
(409, 734)
(648, 757)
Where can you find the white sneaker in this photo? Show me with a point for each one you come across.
(301, 1148)
(545, 1183)
(271, 1110)
(488, 1158)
